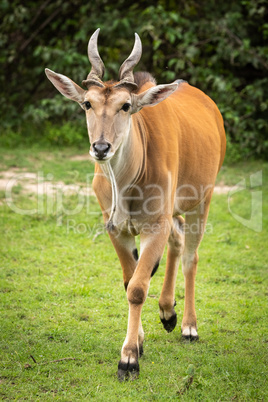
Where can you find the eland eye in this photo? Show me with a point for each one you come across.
(87, 105)
(126, 107)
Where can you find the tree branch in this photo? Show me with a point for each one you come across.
(240, 43)
(36, 32)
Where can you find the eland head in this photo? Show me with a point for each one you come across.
(109, 105)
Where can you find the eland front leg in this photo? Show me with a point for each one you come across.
(167, 298)
(127, 252)
(152, 248)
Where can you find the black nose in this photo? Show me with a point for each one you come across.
(101, 149)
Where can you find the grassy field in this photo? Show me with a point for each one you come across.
(64, 309)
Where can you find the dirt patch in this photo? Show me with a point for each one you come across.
(222, 189)
(85, 157)
(32, 183)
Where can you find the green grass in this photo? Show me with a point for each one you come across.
(62, 297)
(56, 162)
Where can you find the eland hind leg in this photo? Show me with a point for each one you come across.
(195, 222)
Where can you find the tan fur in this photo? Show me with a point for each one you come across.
(162, 163)
(181, 139)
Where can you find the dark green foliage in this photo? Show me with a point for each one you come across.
(216, 46)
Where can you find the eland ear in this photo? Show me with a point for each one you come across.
(66, 86)
(153, 95)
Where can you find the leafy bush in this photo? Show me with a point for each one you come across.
(46, 134)
(216, 46)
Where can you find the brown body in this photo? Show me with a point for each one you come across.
(153, 165)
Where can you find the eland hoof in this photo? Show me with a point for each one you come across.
(169, 324)
(127, 371)
(190, 333)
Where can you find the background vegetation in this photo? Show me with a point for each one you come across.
(216, 46)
